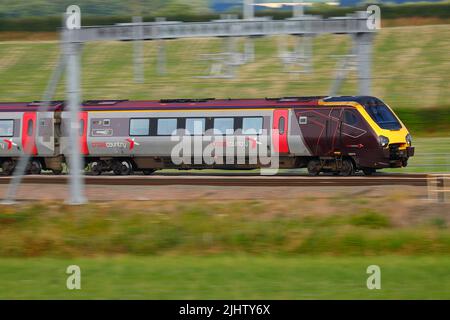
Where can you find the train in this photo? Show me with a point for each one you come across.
(341, 135)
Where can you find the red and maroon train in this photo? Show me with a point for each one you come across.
(341, 135)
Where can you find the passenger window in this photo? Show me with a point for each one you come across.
(6, 128)
(195, 126)
(350, 117)
(223, 125)
(281, 125)
(139, 127)
(166, 127)
(30, 128)
(252, 125)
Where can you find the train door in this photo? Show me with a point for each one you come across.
(352, 131)
(29, 133)
(280, 131)
(83, 133)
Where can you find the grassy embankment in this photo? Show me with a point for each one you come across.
(302, 248)
(226, 277)
(289, 249)
(411, 72)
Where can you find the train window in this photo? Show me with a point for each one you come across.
(350, 117)
(281, 125)
(166, 126)
(139, 127)
(383, 117)
(106, 122)
(195, 126)
(252, 125)
(30, 128)
(81, 127)
(223, 125)
(6, 128)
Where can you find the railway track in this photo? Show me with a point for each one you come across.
(234, 180)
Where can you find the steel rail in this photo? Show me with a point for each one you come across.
(254, 181)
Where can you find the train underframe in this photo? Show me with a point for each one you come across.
(337, 165)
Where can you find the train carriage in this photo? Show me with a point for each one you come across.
(325, 134)
(24, 129)
(340, 135)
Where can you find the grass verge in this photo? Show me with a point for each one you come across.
(226, 277)
(337, 225)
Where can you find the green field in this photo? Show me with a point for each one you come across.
(411, 69)
(335, 225)
(227, 277)
(309, 247)
(304, 248)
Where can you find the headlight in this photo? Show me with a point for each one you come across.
(384, 141)
(408, 139)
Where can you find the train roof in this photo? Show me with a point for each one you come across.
(30, 106)
(184, 104)
(207, 103)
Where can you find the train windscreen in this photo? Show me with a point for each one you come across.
(383, 117)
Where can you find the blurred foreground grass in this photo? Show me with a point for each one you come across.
(336, 225)
(304, 248)
(226, 277)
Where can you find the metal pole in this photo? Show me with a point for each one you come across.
(249, 45)
(343, 66)
(297, 11)
(248, 9)
(161, 58)
(25, 157)
(138, 46)
(161, 53)
(73, 102)
(363, 48)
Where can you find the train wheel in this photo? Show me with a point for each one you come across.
(96, 168)
(368, 171)
(123, 168)
(148, 172)
(57, 172)
(314, 167)
(347, 168)
(8, 167)
(35, 167)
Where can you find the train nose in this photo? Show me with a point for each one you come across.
(398, 154)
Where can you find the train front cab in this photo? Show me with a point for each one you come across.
(387, 142)
(394, 139)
